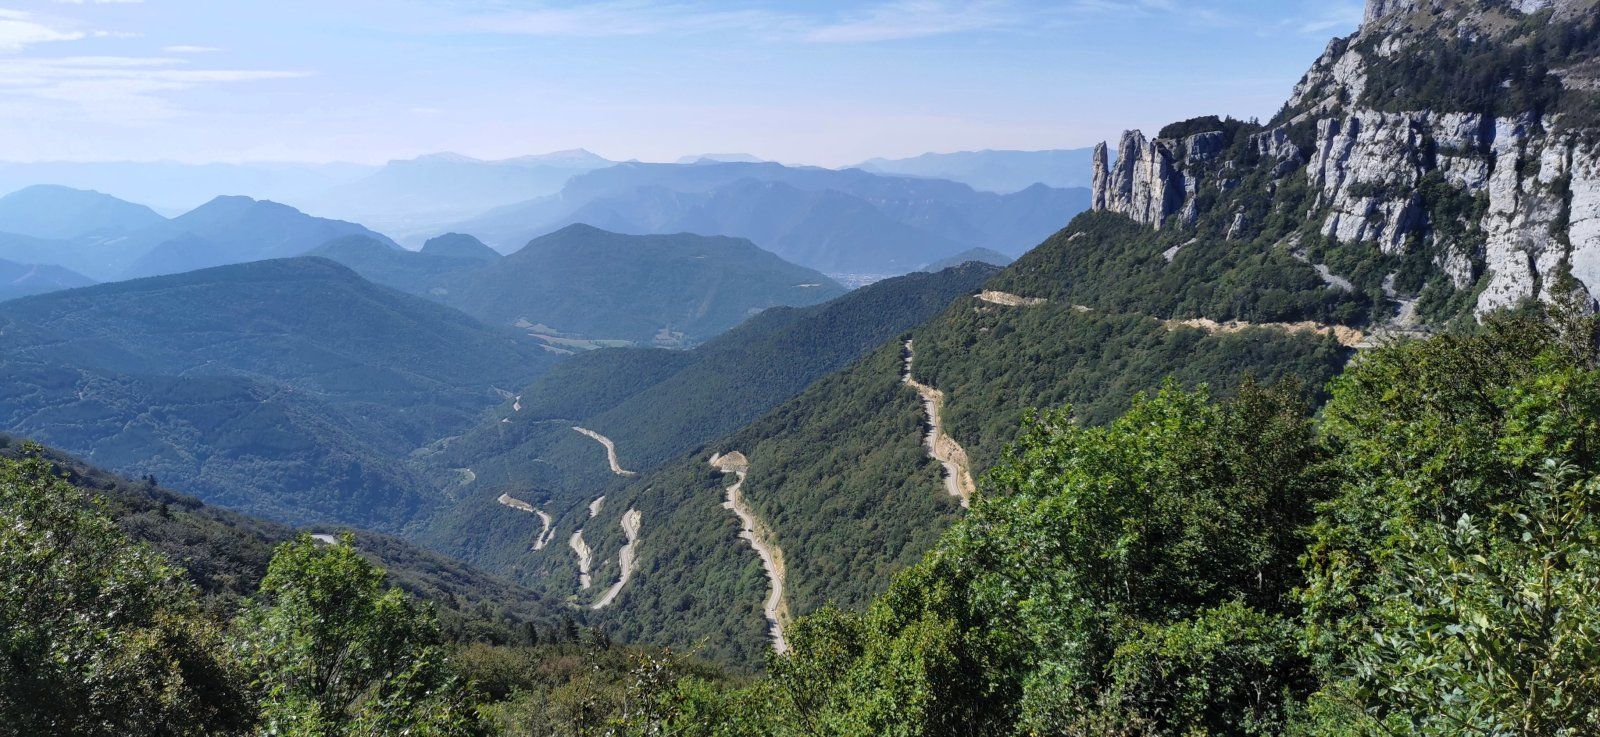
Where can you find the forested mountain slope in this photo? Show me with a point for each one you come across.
(225, 553)
(655, 405)
(292, 388)
(584, 287)
(670, 290)
(1218, 250)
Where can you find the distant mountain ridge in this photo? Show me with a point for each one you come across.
(107, 239)
(994, 171)
(834, 221)
(583, 286)
(26, 280)
(663, 289)
(414, 198)
(52, 212)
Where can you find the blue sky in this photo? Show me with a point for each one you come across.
(826, 83)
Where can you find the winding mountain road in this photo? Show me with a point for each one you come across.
(625, 558)
(941, 447)
(611, 451)
(547, 533)
(755, 532)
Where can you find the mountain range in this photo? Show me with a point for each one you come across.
(108, 239)
(837, 222)
(1215, 253)
(994, 171)
(582, 286)
(414, 198)
(1218, 251)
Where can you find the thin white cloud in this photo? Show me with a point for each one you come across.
(191, 49)
(1344, 16)
(99, 2)
(617, 18)
(883, 21)
(19, 30)
(914, 19)
(115, 88)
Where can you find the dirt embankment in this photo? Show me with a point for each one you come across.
(1346, 336)
(626, 557)
(755, 532)
(584, 558)
(611, 451)
(941, 447)
(1006, 299)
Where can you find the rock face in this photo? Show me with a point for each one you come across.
(1144, 185)
(1506, 204)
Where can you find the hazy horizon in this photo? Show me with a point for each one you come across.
(828, 84)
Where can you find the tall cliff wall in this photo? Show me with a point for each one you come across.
(1459, 131)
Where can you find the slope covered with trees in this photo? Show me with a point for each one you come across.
(670, 290)
(1417, 559)
(234, 384)
(657, 405)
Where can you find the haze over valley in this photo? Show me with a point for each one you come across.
(848, 368)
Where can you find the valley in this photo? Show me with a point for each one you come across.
(1281, 425)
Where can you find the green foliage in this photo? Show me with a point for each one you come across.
(333, 652)
(1451, 581)
(99, 636)
(225, 554)
(1134, 578)
(1500, 75)
(1108, 262)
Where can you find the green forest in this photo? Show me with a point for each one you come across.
(1414, 557)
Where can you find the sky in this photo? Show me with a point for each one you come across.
(825, 82)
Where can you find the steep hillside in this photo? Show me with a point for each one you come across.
(656, 405)
(836, 221)
(61, 213)
(1442, 161)
(1437, 165)
(292, 388)
(23, 280)
(841, 474)
(225, 553)
(994, 171)
(228, 230)
(668, 290)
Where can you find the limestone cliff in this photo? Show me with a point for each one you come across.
(1463, 135)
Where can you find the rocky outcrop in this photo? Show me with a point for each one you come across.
(1144, 185)
(1506, 206)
